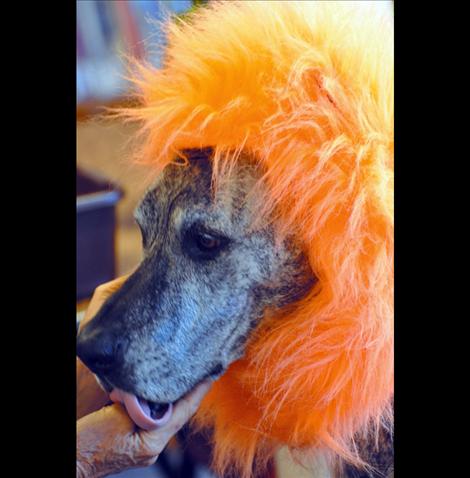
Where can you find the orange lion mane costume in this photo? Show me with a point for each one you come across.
(307, 90)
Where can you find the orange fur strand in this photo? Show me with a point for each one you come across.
(306, 89)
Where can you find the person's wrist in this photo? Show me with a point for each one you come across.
(84, 470)
(86, 460)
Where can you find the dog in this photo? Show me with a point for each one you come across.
(268, 250)
(202, 287)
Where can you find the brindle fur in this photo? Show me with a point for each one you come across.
(178, 319)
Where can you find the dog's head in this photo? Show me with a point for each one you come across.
(205, 279)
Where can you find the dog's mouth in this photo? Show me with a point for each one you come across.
(144, 413)
(147, 414)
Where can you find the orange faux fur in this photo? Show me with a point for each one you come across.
(307, 90)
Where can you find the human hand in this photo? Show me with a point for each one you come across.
(90, 396)
(108, 441)
(101, 294)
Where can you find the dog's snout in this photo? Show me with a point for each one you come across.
(99, 349)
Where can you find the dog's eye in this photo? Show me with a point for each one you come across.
(201, 244)
(206, 242)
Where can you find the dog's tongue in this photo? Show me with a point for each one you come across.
(139, 410)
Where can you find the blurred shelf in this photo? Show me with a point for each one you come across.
(106, 33)
(90, 108)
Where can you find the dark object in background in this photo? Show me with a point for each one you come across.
(96, 206)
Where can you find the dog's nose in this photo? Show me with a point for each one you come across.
(100, 350)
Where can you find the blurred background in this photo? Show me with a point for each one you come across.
(107, 28)
(108, 186)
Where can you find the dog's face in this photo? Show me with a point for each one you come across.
(205, 279)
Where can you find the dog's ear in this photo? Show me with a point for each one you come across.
(194, 154)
